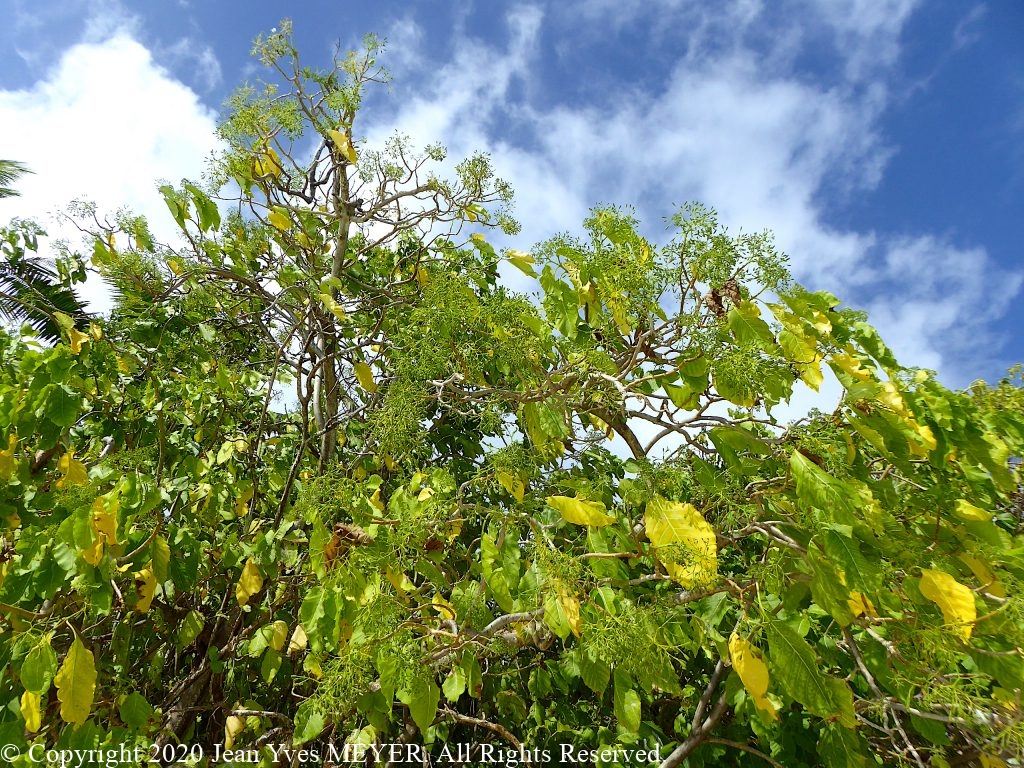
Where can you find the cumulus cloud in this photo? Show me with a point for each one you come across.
(736, 124)
(105, 124)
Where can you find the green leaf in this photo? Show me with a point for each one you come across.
(595, 672)
(797, 670)
(748, 328)
(626, 703)
(494, 575)
(161, 554)
(135, 711)
(38, 668)
(422, 699)
(190, 628)
(817, 488)
(309, 723)
(76, 684)
(455, 684)
(840, 747)
(845, 552)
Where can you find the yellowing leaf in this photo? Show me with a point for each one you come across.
(76, 339)
(986, 760)
(249, 583)
(175, 266)
(96, 331)
(279, 220)
(73, 470)
(581, 512)
(279, 635)
(673, 527)
(984, 574)
(104, 527)
(753, 673)
(76, 684)
(145, 588)
(7, 462)
(967, 511)
(343, 146)
(511, 483)
(522, 261)
(333, 306)
(955, 600)
(268, 163)
(365, 377)
(233, 726)
(298, 641)
(30, 711)
(375, 500)
(861, 605)
(242, 502)
(570, 606)
(422, 277)
(852, 366)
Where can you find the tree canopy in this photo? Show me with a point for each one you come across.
(323, 478)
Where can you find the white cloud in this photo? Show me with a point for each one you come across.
(739, 129)
(105, 124)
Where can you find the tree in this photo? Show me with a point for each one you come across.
(434, 536)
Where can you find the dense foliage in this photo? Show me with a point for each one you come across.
(322, 478)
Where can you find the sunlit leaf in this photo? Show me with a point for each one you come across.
(684, 541)
(753, 672)
(73, 470)
(955, 600)
(580, 511)
(76, 684)
(249, 583)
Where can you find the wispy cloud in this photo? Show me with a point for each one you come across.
(752, 135)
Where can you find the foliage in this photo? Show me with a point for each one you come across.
(322, 478)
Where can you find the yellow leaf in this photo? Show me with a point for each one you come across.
(333, 306)
(861, 605)
(7, 462)
(753, 673)
(512, 484)
(399, 580)
(422, 277)
(581, 512)
(233, 726)
(852, 366)
(521, 261)
(73, 470)
(425, 494)
(673, 525)
(279, 220)
(279, 635)
(268, 163)
(77, 339)
(96, 331)
(104, 527)
(343, 145)
(145, 588)
(967, 511)
(478, 238)
(175, 266)
(376, 501)
(242, 503)
(365, 377)
(30, 711)
(298, 641)
(984, 574)
(955, 600)
(76, 684)
(249, 583)
(986, 760)
(570, 606)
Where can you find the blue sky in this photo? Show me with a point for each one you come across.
(882, 140)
